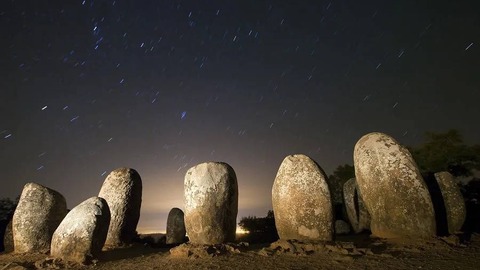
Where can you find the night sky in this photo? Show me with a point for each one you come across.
(160, 86)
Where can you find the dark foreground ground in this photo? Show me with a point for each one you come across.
(348, 252)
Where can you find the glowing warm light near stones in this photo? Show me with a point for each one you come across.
(241, 231)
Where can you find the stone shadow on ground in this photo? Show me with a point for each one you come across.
(133, 251)
(364, 240)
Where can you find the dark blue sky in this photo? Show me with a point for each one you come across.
(160, 86)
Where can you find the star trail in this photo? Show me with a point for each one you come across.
(160, 86)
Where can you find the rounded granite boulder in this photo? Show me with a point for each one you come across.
(82, 233)
(301, 201)
(122, 190)
(392, 189)
(175, 227)
(211, 203)
(39, 212)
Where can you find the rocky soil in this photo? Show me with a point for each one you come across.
(347, 252)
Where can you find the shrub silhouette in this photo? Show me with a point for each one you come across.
(260, 229)
(447, 152)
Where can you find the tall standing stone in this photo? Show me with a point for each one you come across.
(301, 200)
(175, 227)
(392, 188)
(453, 200)
(211, 203)
(82, 233)
(122, 190)
(38, 213)
(356, 211)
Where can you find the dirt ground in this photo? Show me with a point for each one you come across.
(347, 252)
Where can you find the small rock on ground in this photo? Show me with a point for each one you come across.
(189, 250)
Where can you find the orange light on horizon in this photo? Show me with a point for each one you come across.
(153, 231)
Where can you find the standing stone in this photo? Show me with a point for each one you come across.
(392, 188)
(356, 211)
(122, 190)
(301, 201)
(175, 227)
(454, 202)
(82, 233)
(211, 203)
(38, 213)
(8, 238)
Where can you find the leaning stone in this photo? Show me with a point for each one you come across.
(454, 202)
(341, 227)
(301, 200)
(211, 203)
(82, 233)
(36, 217)
(122, 190)
(392, 188)
(356, 211)
(175, 227)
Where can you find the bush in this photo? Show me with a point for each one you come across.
(260, 229)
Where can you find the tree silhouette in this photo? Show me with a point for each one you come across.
(7, 206)
(260, 229)
(446, 152)
(335, 182)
